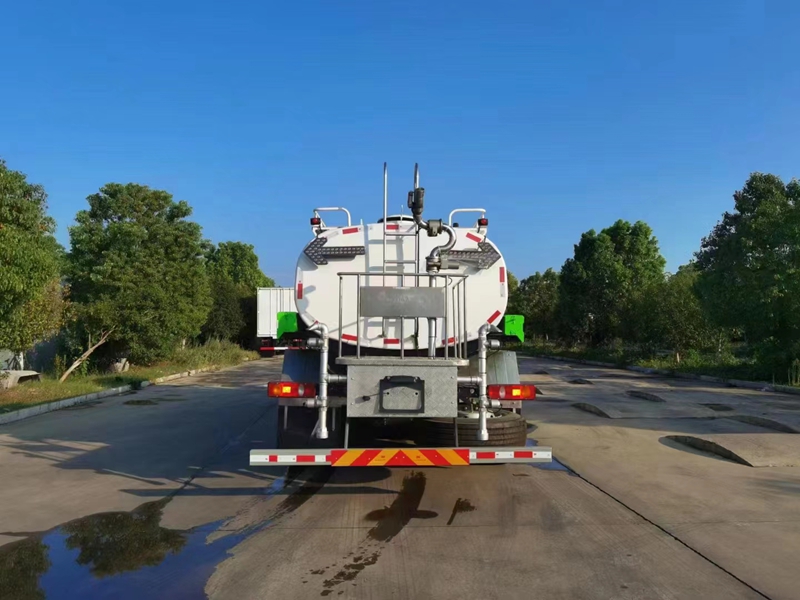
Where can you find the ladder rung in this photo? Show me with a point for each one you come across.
(399, 262)
(401, 233)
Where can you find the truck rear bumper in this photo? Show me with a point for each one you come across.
(402, 457)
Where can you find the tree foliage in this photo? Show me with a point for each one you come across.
(225, 320)
(750, 267)
(238, 262)
(235, 274)
(29, 256)
(536, 298)
(136, 268)
(600, 283)
(670, 315)
(37, 319)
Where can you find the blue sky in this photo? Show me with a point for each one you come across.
(556, 116)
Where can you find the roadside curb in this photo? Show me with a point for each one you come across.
(761, 386)
(40, 409)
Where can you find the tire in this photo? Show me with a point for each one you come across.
(505, 429)
(301, 425)
(268, 353)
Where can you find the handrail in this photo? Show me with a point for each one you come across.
(465, 210)
(378, 273)
(334, 208)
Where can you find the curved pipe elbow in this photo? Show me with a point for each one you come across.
(436, 252)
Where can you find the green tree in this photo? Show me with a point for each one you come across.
(225, 320)
(37, 319)
(238, 262)
(136, 270)
(750, 268)
(599, 285)
(536, 298)
(671, 315)
(29, 255)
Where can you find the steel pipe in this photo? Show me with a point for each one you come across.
(483, 403)
(322, 395)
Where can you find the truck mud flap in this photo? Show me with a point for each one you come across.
(402, 457)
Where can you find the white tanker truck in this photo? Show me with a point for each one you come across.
(402, 325)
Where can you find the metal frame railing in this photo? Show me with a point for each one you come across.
(455, 322)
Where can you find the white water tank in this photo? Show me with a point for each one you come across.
(360, 249)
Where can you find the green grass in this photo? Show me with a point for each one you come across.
(211, 355)
(726, 365)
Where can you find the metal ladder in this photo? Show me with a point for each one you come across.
(401, 277)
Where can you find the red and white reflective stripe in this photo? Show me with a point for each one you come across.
(474, 238)
(349, 230)
(494, 316)
(277, 348)
(449, 341)
(299, 290)
(327, 456)
(392, 227)
(477, 455)
(502, 274)
(349, 338)
(289, 459)
(388, 341)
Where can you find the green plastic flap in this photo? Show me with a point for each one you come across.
(287, 323)
(513, 325)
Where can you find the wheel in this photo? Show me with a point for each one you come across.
(268, 353)
(301, 424)
(505, 429)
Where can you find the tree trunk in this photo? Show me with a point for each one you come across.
(85, 355)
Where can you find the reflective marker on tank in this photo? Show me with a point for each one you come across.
(349, 338)
(502, 274)
(474, 238)
(494, 316)
(299, 290)
(350, 230)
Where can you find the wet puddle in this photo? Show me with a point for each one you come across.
(390, 521)
(554, 465)
(462, 505)
(127, 555)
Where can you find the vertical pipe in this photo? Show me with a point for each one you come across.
(402, 338)
(483, 432)
(466, 325)
(416, 255)
(446, 314)
(358, 316)
(385, 216)
(432, 326)
(341, 308)
(322, 423)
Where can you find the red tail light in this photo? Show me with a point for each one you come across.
(316, 220)
(483, 222)
(511, 392)
(291, 389)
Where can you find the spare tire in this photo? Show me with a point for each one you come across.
(505, 428)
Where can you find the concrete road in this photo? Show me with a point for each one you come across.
(150, 496)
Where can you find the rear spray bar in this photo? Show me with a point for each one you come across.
(402, 457)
